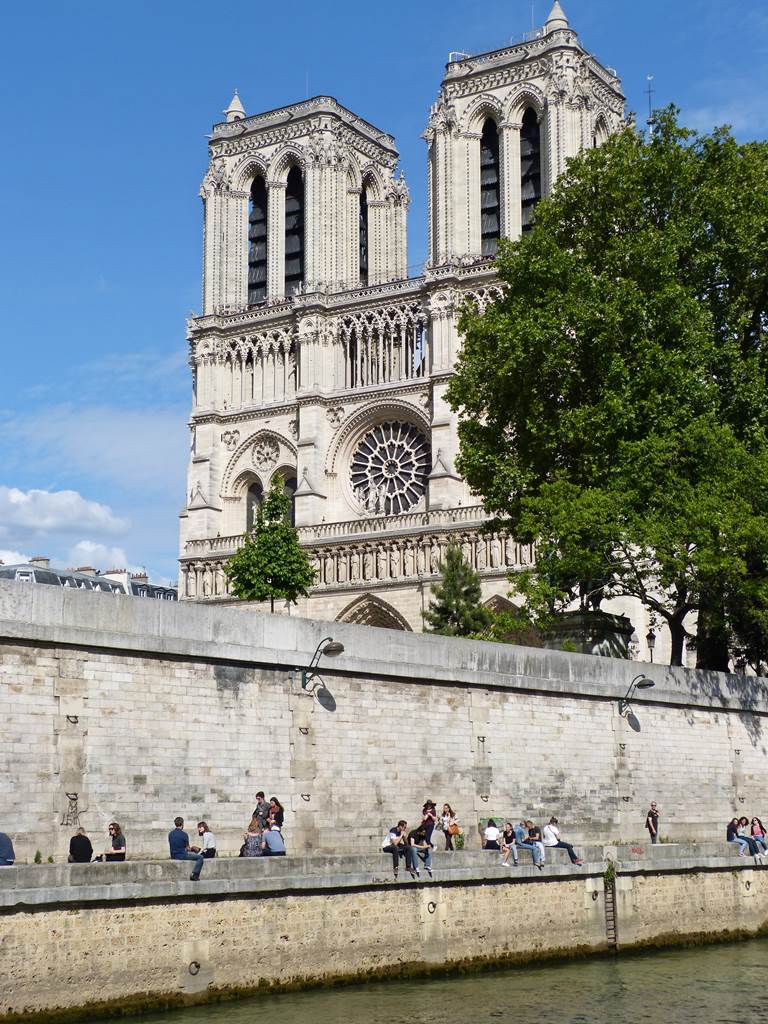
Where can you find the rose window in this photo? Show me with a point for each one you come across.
(389, 468)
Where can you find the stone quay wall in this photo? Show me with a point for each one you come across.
(87, 940)
(119, 708)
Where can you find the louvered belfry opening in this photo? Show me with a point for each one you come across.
(257, 243)
(364, 237)
(490, 207)
(530, 166)
(294, 232)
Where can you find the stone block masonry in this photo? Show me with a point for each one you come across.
(80, 941)
(139, 711)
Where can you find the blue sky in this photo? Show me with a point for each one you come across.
(105, 109)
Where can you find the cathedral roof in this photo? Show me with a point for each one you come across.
(557, 18)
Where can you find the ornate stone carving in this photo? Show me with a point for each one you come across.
(335, 415)
(266, 452)
(231, 439)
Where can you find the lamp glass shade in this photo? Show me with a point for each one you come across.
(645, 684)
(332, 648)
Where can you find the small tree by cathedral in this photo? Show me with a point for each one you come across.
(455, 609)
(270, 564)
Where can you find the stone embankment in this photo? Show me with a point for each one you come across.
(82, 940)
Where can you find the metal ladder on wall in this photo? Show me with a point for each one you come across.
(611, 923)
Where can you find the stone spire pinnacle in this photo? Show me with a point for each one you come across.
(557, 18)
(235, 111)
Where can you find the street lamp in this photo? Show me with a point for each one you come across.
(640, 682)
(650, 639)
(327, 646)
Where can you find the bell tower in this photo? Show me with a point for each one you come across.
(501, 131)
(299, 200)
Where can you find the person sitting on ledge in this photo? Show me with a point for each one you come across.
(491, 835)
(115, 849)
(534, 836)
(208, 840)
(7, 856)
(419, 846)
(551, 838)
(523, 843)
(272, 844)
(395, 844)
(178, 843)
(80, 848)
(745, 842)
(508, 845)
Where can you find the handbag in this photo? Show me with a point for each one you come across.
(453, 829)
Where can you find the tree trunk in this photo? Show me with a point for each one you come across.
(677, 636)
(712, 632)
(272, 603)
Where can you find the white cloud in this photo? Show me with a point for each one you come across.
(12, 557)
(142, 450)
(41, 512)
(100, 556)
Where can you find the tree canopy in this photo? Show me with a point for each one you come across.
(455, 609)
(270, 563)
(614, 403)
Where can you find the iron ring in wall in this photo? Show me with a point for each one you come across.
(431, 907)
(194, 967)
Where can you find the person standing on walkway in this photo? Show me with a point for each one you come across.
(276, 812)
(449, 826)
(262, 808)
(428, 818)
(551, 838)
(652, 822)
(178, 844)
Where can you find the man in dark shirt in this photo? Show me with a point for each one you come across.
(7, 856)
(178, 844)
(262, 808)
(652, 823)
(80, 848)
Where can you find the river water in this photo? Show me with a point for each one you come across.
(725, 984)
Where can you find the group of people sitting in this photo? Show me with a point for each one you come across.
(750, 835)
(264, 836)
(526, 836)
(416, 846)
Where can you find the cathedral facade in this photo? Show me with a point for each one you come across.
(318, 360)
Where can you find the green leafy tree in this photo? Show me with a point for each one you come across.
(270, 563)
(614, 403)
(455, 609)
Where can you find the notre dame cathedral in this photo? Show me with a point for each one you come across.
(318, 360)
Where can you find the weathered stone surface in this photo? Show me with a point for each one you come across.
(146, 710)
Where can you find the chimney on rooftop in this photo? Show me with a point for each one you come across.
(41, 560)
(140, 576)
(88, 570)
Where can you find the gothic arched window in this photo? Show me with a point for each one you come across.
(363, 217)
(257, 243)
(490, 206)
(294, 232)
(530, 166)
(253, 499)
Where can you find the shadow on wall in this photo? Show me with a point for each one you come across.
(724, 687)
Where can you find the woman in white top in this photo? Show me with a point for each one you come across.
(208, 847)
(551, 838)
(491, 836)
